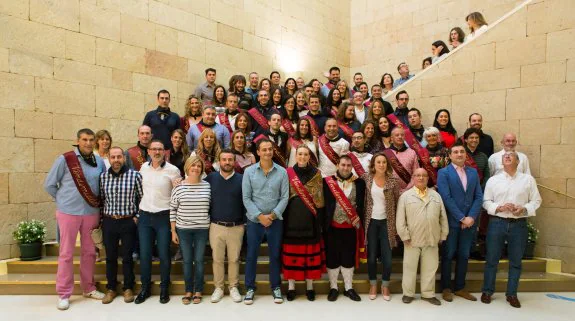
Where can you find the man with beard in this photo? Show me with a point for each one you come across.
(237, 87)
(331, 148)
(315, 115)
(208, 121)
(137, 155)
(485, 141)
(278, 138)
(360, 156)
(261, 113)
(333, 80)
(402, 99)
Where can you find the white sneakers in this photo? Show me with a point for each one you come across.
(94, 295)
(217, 295)
(235, 295)
(63, 304)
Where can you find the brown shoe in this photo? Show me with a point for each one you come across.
(109, 297)
(128, 296)
(485, 298)
(433, 300)
(447, 295)
(513, 301)
(466, 295)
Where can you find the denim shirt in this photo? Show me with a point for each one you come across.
(60, 185)
(265, 194)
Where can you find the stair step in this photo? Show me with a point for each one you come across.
(49, 265)
(530, 282)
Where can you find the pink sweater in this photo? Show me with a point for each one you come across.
(408, 159)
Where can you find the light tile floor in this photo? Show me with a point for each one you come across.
(536, 306)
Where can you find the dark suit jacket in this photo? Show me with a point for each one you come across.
(330, 202)
(458, 202)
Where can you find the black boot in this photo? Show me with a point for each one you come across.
(143, 295)
(164, 295)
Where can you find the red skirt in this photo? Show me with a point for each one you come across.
(303, 261)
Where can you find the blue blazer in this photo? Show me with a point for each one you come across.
(458, 202)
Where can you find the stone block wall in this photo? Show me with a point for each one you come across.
(69, 64)
(520, 76)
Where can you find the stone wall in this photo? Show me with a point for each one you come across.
(69, 64)
(521, 76)
(385, 33)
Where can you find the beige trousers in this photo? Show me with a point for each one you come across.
(222, 238)
(429, 262)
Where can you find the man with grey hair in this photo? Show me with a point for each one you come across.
(404, 76)
(208, 121)
(402, 159)
(510, 198)
(509, 143)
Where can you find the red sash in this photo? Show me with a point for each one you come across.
(327, 149)
(346, 129)
(351, 213)
(469, 161)
(80, 180)
(200, 127)
(137, 157)
(259, 118)
(294, 143)
(184, 124)
(237, 168)
(278, 155)
(208, 166)
(314, 127)
(225, 121)
(287, 125)
(397, 166)
(422, 153)
(301, 191)
(356, 164)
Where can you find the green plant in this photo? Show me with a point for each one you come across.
(532, 233)
(31, 231)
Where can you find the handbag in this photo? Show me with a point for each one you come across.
(97, 238)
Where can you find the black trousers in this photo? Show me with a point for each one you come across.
(124, 230)
(340, 247)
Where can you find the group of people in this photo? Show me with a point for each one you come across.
(328, 180)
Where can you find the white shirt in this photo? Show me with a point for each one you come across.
(292, 161)
(520, 189)
(496, 163)
(231, 119)
(476, 33)
(364, 159)
(157, 186)
(378, 211)
(360, 114)
(326, 167)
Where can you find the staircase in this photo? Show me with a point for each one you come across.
(39, 277)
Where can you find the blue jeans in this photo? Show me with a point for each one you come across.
(150, 224)
(193, 245)
(499, 231)
(377, 240)
(458, 246)
(256, 233)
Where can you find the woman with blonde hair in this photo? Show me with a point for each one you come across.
(244, 157)
(193, 113)
(103, 142)
(477, 25)
(190, 221)
(208, 150)
(343, 90)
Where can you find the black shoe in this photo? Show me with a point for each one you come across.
(290, 295)
(310, 295)
(407, 299)
(142, 296)
(164, 296)
(352, 295)
(333, 294)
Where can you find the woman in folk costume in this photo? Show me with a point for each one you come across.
(302, 250)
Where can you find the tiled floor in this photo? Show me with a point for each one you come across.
(536, 306)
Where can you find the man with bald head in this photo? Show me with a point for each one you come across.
(331, 147)
(510, 198)
(402, 159)
(509, 143)
(137, 155)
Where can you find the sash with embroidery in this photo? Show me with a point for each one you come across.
(259, 118)
(208, 166)
(137, 157)
(288, 127)
(356, 164)
(294, 143)
(422, 153)
(301, 191)
(327, 149)
(237, 168)
(314, 127)
(346, 129)
(397, 166)
(278, 155)
(343, 201)
(80, 180)
(225, 121)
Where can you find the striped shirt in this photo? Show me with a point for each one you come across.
(120, 192)
(190, 205)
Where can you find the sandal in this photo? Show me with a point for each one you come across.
(186, 300)
(197, 299)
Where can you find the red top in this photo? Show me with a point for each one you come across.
(447, 138)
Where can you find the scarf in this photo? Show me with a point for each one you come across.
(305, 174)
(399, 150)
(90, 159)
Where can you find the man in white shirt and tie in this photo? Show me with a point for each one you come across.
(510, 197)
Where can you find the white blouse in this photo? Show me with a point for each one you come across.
(378, 211)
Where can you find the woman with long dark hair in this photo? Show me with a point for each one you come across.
(368, 128)
(179, 153)
(438, 50)
(333, 101)
(289, 115)
(442, 121)
(456, 37)
(290, 87)
(303, 136)
(386, 83)
(384, 132)
(244, 124)
(346, 121)
(244, 157)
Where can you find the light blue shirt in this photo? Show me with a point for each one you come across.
(265, 194)
(400, 81)
(60, 185)
(222, 136)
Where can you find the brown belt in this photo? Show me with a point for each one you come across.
(510, 219)
(118, 217)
